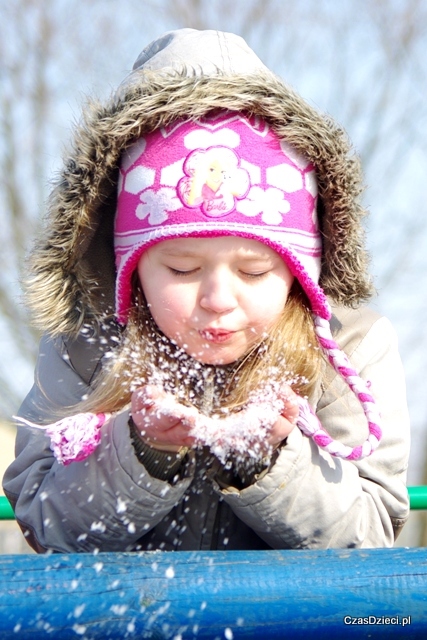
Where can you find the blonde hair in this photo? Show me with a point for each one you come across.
(289, 353)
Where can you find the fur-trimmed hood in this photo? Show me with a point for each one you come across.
(183, 74)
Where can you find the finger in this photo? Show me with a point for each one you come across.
(153, 419)
(178, 435)
(172, 411)
(280, 430)
(290, 401)
(163, 416)
(146, 396)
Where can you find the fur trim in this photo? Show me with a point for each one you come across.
(71, 275)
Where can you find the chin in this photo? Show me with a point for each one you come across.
(206, 356)
(217, 362)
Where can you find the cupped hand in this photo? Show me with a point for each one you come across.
(165, 424)
(287, 420)
(162, 426)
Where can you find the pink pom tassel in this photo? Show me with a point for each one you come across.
(74, 438)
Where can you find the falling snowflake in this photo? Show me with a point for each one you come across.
(156, 204)
(270, 203)
(121, 505)
(170, 572)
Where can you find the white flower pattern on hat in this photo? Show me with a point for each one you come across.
(156, 204)
(285, 177)
(271, 203)
(139, 178)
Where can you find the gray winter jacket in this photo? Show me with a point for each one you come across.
(112, 501)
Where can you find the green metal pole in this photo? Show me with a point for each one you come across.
(418, 497)
(6, 511)
(417, 500)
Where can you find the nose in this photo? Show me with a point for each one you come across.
(217, 293)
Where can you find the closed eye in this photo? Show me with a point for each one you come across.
(182, 272)
(254, 275)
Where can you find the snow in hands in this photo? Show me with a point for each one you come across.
(241, 434)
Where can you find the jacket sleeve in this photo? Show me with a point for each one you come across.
(105, 502)
(310, 499)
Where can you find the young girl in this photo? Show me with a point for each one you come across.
(194, 389)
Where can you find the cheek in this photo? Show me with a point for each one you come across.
(270, 302)
(170, 306)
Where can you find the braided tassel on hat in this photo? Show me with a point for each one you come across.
(310, 424)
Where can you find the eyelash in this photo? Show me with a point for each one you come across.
(177, 272)
(250, 276)
(255, 276)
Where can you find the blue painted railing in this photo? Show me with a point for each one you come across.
(232, 595)
(262, 595)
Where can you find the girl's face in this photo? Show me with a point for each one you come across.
(214, 175)
(215, 297)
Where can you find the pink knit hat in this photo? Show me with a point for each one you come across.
(228, 174)
(223, 175)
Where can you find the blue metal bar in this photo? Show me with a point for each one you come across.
(266, 595)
